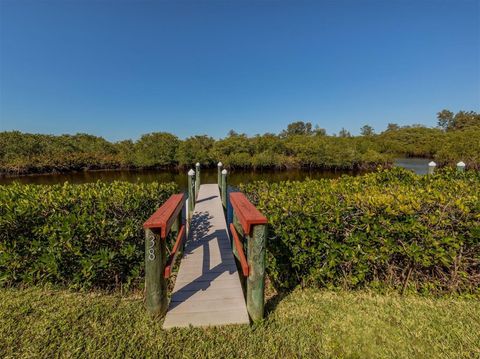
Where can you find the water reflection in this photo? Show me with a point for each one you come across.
(179, 177)
(418, 165)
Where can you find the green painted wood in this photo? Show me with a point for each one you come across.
(256, 278)
(155, 284)
(191, 193)
(241, 235)
(219, 170)
(176, 227)
(197, 178)
(224, 189)
(178, 223)
(239, 229)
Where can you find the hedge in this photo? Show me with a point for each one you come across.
(76, 236)
(390, 229)
(386, 229)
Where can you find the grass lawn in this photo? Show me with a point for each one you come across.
(306, 323)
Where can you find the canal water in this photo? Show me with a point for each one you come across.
(418, 165)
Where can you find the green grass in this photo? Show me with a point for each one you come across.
(309, 323)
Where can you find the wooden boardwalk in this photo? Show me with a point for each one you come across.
(207, 288)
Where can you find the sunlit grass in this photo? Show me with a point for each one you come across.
(308, 323)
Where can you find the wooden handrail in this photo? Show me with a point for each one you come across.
(159, 225)
(247, 214)
(174, 253)
(254, 226)
(239, 247)
(165, 216)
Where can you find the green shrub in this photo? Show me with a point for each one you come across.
(387, 229)
(78, 236)
(461, 145)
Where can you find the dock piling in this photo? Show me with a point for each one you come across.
(219, 172)
(156, 286)
(191, 192)
(197, 178)
(224, 189)
(256, 279)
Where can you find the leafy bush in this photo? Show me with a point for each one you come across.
(78, 236)
(385, 229)
(461, 145)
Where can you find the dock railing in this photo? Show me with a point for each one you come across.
(158, 267)
(249, 230)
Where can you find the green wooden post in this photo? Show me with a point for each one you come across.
(256, 278)
(191, 193)
(431, 167)
(219, 170)
(238, 227)
(178, 223)
(155, 284)
(197, 178)
(176, 227)
(461, 166)
(224, 189)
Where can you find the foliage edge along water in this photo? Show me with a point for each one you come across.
(388, 229)
(301, 149)
(82, 236)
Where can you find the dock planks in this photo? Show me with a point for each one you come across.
(207, 288)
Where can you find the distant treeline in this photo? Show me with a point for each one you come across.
(456, 138)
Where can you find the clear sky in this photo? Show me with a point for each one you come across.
(123, 68)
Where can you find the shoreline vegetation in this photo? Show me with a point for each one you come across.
(385, 230)
(301, 145)
(389, 229)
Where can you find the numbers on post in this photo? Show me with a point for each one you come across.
(151, 250)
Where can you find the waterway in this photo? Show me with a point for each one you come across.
(418, 165)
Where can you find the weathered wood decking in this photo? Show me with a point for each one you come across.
(207, 288)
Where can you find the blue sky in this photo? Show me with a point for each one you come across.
(119, 69)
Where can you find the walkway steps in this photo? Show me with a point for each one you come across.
(207, 288)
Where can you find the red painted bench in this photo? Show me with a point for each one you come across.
(247, 214)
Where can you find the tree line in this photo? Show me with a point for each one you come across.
(300, 145)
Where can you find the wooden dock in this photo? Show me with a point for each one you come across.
(207, 288)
